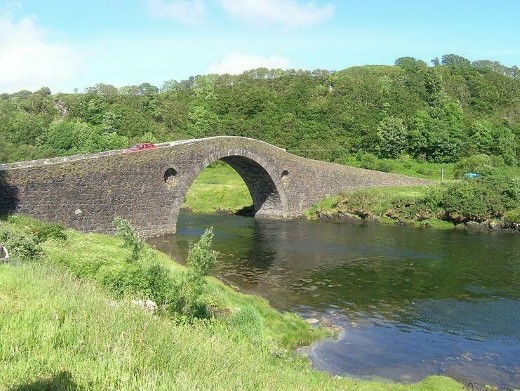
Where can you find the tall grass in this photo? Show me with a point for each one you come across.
(59, 332)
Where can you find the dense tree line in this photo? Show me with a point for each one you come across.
(444, 112)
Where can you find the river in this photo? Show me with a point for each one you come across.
(412, 302)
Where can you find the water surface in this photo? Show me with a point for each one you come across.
(412, 302)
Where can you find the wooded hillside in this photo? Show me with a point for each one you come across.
(444, 112)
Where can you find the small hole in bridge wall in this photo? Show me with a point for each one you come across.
(169, 177)
(285, 173)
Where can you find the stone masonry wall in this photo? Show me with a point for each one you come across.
(86, 192)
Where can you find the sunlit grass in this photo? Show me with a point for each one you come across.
(59, 332)
(218, 187)
(59, 324)
(382, 204)
(403, 165)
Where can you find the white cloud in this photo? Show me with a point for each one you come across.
(29, 60)
(186, 11)
(237, 63)
(287, 13)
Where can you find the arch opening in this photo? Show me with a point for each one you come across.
(169, 177)
(218, 188)
(264, 192)
(238, 184)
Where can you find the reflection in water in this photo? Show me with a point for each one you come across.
(413, 302)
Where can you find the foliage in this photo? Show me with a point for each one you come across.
(191, 288)
(512, 216)
(481, 164)
(392, 137)
(470, 200)
(494, 196)
(40, 230)
(201, 257)
(101, 259)
(361, 204)
(130, 237)
(45, 232)
(22, 246)
(24, 236)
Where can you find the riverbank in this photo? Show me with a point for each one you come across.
(460, 205)
(66, 324)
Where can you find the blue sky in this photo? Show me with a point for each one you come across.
(74, 44)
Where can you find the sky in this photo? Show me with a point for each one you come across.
(74, 44)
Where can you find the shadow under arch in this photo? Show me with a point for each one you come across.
(8, 196)
(261, 178)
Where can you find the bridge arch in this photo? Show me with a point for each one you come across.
(264, 182)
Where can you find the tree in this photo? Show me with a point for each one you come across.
(410, 63)
(455, 60)
(392, 137)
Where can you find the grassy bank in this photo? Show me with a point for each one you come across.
(64, 327)
(218, 187)
(490, 202)
(403, 165)
(387, 205)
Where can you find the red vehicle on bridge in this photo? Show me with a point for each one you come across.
(140, 147)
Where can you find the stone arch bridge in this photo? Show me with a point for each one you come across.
(148, 187)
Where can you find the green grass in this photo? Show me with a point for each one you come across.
(379, 199)
(62, 330)
(64, 333)
(386, 205)
(94, 256)
(218, 187)
(404, 166)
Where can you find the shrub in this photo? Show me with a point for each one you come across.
(361, 204)
(481, 164)
(45, 232)
(408, 208)
(367, 160)
(121, 279)
(432, 201)
(506, 190)
(247, 321)
(130, 237)
(188, 297)
(152, 281)
(21, 246)
(392, 136)
(159, 284)
(512, 217)
(201, 257)
(513, 189)
(471, 201)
